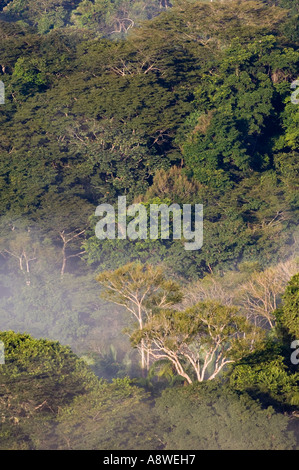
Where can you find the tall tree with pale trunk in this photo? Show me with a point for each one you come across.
(200, 341)
(141, 290)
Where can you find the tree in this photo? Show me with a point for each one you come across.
(174, 185)
(117, 415)
(200, 341)
(50, 399)
(210, 416)
(46, 15)
(262, 293)
(288, 314)
(23, 249)
(140, 290)
(237, 99)
(38, 378)
(268, 376)
(107, 18)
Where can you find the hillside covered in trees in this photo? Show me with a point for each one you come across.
(141, 344)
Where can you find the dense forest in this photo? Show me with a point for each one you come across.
(141, 344)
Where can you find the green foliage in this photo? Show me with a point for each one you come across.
(141, 290)
(174, 185)
(142, 285)
(288, 314)
(94, 119)
(102, 17)
(191, 106)
(200, 341)
(212, 417)
(38, 378)
(234, 104)
(267, 375)
(113, 18)
(51, 400)
(44, 16)
(115, 416)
